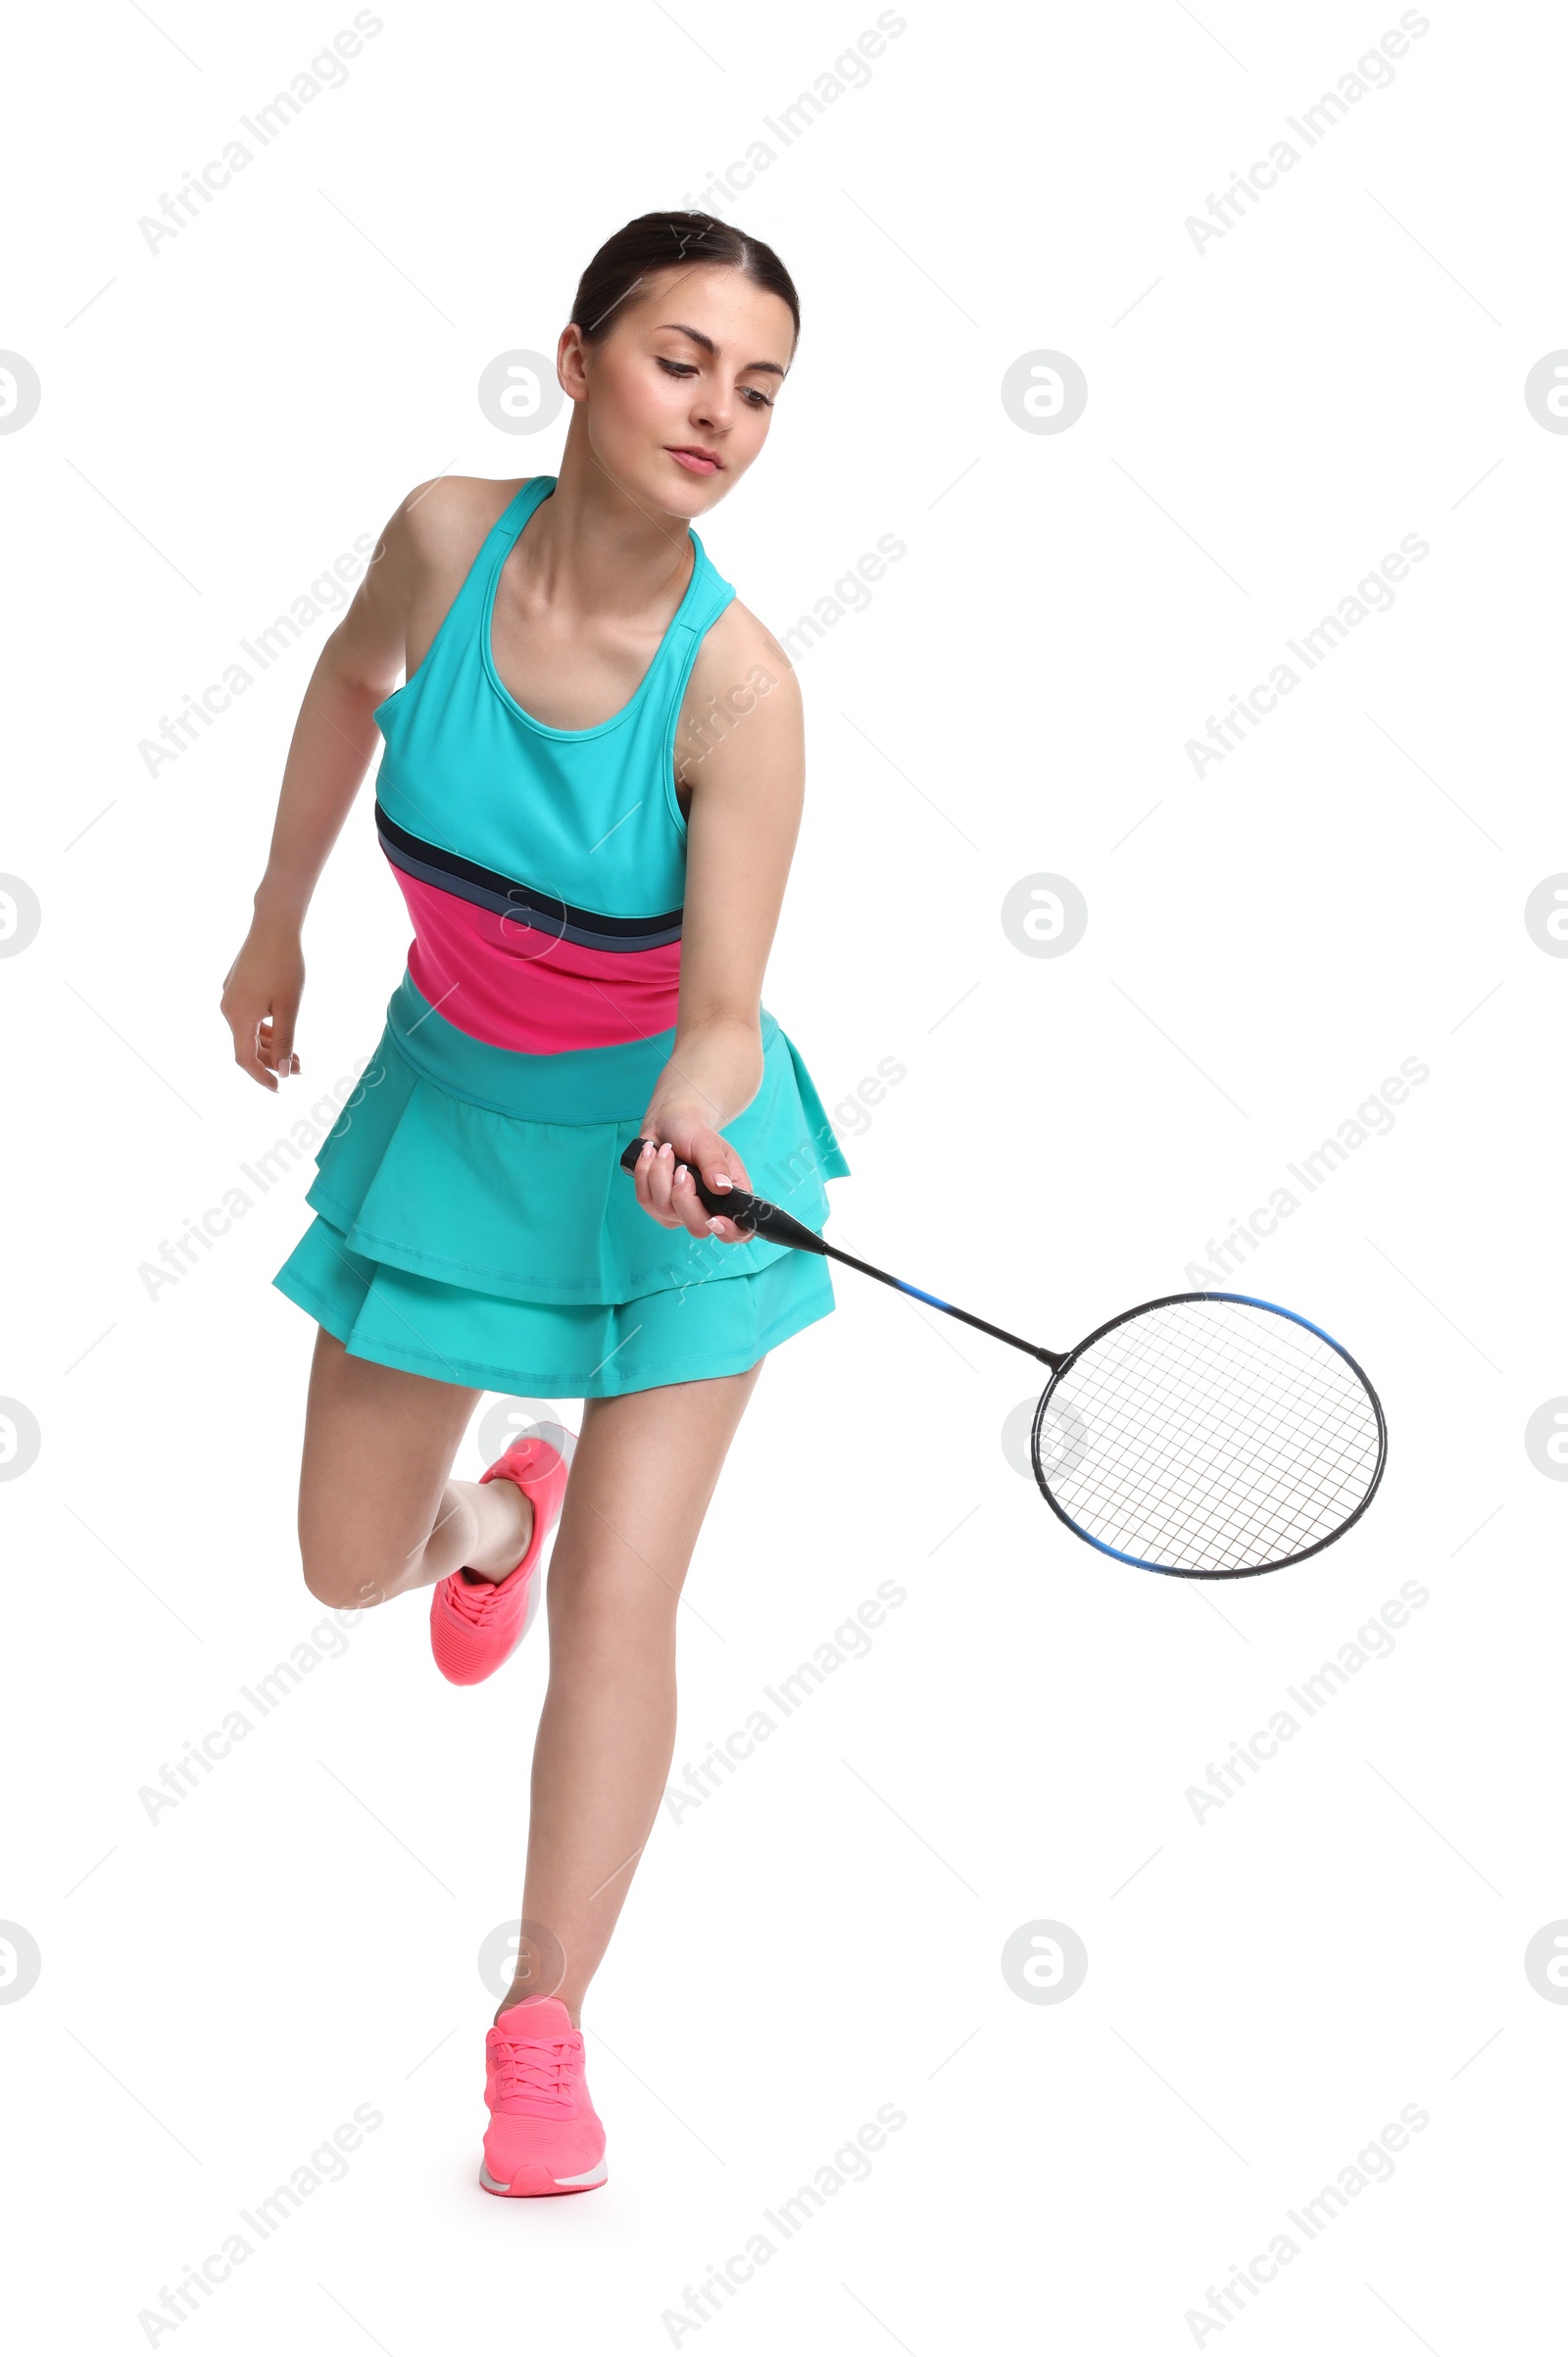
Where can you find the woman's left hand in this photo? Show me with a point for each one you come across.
(662, 1174)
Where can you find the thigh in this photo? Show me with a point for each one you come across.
(645, 1469)
(378, 1449)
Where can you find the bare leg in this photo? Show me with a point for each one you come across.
(645, 1469)
(379, 1512)
(379, 1515)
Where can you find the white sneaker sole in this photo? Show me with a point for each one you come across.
(589, 2178)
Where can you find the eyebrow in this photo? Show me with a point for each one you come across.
(771, 366)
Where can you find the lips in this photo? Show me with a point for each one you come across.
(695, 461)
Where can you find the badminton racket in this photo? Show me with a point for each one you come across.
(1206, 1435)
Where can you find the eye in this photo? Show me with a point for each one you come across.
(682, 367)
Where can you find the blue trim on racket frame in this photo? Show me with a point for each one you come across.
(1249, 1300)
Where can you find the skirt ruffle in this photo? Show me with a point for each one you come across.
(544, 1349)
(478, 1246)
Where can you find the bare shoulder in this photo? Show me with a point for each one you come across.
(420, 561)
(741, 662)
(742, 734)
(426, 553)
(442, 523)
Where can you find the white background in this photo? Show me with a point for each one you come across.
(1266, 418)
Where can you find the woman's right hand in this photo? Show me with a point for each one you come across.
(260, 1001)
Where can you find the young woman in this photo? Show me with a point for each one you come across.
(589, 797)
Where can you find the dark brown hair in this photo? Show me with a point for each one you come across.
(654, 241)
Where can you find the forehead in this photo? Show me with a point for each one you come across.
(719, 307)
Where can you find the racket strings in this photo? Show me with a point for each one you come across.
(1214, 1498)
(1212, 1436)
(1149, 1490)
(1235, 1484)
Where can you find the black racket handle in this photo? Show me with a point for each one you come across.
(752, 1214)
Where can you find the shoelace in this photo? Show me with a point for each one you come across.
(470, 1598)
(533, 2066)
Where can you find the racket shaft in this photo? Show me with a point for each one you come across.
(1047, 1358)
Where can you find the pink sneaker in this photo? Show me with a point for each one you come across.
(476, 1623)
(545, 2136)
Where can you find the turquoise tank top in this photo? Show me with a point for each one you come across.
(544, 868)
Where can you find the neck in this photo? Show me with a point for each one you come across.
(595, 546)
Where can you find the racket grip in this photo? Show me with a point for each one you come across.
(752, 1214)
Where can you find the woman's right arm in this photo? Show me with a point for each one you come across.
(333, 740)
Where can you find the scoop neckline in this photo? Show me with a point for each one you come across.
(487, 654)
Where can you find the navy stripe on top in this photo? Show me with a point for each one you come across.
(503, 896)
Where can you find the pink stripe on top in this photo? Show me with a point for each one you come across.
(515, 986)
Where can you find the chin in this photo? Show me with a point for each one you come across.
(686, 494)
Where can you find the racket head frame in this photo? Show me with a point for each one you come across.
(1245, 1571)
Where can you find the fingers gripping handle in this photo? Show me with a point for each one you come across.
(752, 1214)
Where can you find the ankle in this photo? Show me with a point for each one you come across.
(523, 1996)
(505, 1518)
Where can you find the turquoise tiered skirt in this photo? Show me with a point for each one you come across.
(473, 1223)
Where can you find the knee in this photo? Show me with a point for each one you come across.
(351, 1558)
(612, 1602)
(340, 1580)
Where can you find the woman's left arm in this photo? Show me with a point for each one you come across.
(747, 791)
